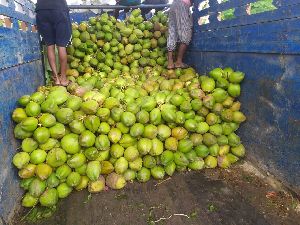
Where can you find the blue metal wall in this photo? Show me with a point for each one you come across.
(20, 73)
(77, 17)
(266, 47)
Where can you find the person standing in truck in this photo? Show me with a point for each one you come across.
(180, 31)
(54, 26)
(125, 3)
(153, 2)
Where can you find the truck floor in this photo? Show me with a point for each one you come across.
(211, 197)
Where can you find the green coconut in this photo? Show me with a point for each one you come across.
(129, 175)
(47, 120)
(97, 185)
(64, 190)
(83, 183)
(27, 172)
(170, 168)
(70, 143)
(158, 172)
(37, 187)
(73, 179)
(29, 145)
(93, 170)
(52, 181)
(115, 181)
(143, 175)
(29, 201)
(41, 135)
(21, 159)
(43, 171)
(49, 198)
(18, 115)
(50, 144)
(63, 172)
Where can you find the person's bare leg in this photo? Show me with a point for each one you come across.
(181, 51)
(62, 52)
(170, 60)
(116, 13)
(52, 63)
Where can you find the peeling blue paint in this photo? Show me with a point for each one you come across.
(21, 72)
(17, 47)
(78, 17)
(15, 82)
(268, 32)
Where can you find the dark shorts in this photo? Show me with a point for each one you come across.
(54, 26)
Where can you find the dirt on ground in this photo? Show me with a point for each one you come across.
(240, 195)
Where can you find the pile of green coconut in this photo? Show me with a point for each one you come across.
(124, 117)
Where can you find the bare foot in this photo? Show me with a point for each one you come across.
(64, 81)
(55, 79)
(181, 65)
(170, 66)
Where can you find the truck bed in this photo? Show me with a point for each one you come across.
(240, 195)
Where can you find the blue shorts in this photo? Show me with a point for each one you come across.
(54, 26)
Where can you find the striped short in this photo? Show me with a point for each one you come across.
(180, 24)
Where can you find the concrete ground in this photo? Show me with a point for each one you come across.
(237, 196)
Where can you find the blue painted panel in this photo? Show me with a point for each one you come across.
(215, 7)
(15, 82)
(270, 100)
(25, 16)
(284, 12)
(21, 72)
(269, 32)
(273, 37)
(83, 16)
(271, 90)
(17, 46)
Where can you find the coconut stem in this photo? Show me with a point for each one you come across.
(24, 217)
(159, 183)
(167, 218)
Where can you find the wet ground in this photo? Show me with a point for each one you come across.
(210, 197)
